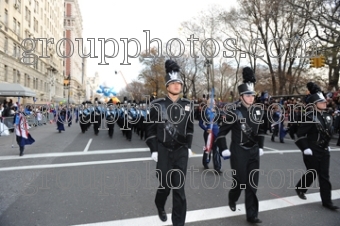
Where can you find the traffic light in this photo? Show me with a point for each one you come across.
(313, 62)
(66, 82)
(322, 61)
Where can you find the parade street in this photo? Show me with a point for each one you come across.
(71, 178)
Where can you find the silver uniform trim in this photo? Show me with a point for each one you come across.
(164, 136)
(300, 138)
(150, 137)
(220, 137)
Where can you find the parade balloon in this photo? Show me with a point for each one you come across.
(106, 91)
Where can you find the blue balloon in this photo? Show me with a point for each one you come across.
(107, 91)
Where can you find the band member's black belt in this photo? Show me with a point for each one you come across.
(248, 144)
(172, 146)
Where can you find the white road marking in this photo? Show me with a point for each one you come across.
(272, 149)
(48, 166)
(88, 145)
(220, 212)
(114, 161)
(77, 153)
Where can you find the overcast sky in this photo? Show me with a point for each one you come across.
(127, 19)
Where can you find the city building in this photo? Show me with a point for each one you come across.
(25, 27)
(74, 64)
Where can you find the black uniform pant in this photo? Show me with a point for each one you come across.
(171, 172)
(207, 156)
(110, 126)
(21, 148)
(246, 164)
(96, 124)
(317, 165)
(83, 122)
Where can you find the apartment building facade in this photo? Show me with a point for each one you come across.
(33, 20)
(75, 65)
(44, 23)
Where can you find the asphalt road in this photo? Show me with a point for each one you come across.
(82, 179)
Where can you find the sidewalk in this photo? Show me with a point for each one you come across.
(47, 139)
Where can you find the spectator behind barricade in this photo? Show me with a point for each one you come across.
(7, 110)
(39, 117)
(1, 109)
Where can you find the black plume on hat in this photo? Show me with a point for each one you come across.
(248, 82)
(313, 88)
(315, 93)
(172, 72)
(248, 75)
(170, 66)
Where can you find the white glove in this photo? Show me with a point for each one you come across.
(190, 154)
(261, 151)
(226, 153)
(154, 156)
(329, 149)
(307, 152)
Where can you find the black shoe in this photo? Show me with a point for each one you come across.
(21, 154)
(162, 215)
(272, 139)
(206, 166)
(232, 206)
(330, 206)
(254, 220)
(301, 195)
(218, 171)
(281, 141)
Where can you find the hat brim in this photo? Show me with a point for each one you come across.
(321, 101)
(174, 80)
(248, 92)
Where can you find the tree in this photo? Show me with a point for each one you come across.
(268, 28)
(137, 90)
(324, 16)
(206, 28)
(153, 73)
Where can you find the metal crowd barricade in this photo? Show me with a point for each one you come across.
(7, 125)
(31, 120)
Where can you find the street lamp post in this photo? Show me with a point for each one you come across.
(207, 64)
(69, 87)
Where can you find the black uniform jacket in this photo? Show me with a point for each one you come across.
(179, 113)
(251, 116)
(315, 132)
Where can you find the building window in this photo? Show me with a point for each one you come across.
(6, 73)
(18, 77)
(28, 81)
(36, 9)
(26, 13)
(14, 76)
(6, 45)
(6, 18)
(34, 24)
(29, 18)
(17, 5)
(14, 50)
(36, 65)
(18, 28)
(14, 25)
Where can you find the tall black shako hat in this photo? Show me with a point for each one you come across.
(248, 82)
(315, 94)
(172, 72)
